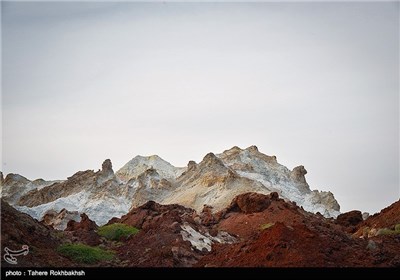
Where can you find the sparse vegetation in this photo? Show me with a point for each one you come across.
(59, 234)
(386, 231)
(266, 226)
(116, 231)
(85, 254)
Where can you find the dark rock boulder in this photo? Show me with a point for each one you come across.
(350, 220)
(251, 202)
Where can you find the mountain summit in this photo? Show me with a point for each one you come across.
(212, 183)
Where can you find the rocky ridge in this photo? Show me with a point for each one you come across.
(214, 182)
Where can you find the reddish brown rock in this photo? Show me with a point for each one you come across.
(386, 218)
(289, 246)
(350, 220)
(85, 224)
(267, 230)
(144, 216)
(19, 229)
(84, 231)
(159, 242)
(206, 216)
(250, 203)
(283, 235)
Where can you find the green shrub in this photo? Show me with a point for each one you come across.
(385, 231)
(116, 231)
(266, 226)
(85, 254)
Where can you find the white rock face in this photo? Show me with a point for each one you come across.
(290, 185)
(204, 241)
(99, 207)
(98, 194)
(140, 164)
(215, 181)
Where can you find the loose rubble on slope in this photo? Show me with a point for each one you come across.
(255, 230)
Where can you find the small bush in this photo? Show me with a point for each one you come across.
(85, 254)
(386, 231)
(266, 226)
(116, 231)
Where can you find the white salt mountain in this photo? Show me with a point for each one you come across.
(215, 181)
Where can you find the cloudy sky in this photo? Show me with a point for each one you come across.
(315, 84)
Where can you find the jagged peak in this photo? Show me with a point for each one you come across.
(191, 165)
(210, 156)
(233, 150)
(157, 157)
(153, 160)
(298, 175)
(211, 160)
(139, 164)
(236, 153)
(236, 149)
(106, 167)
(15, 177)
(252, 148)
(299, 171)
(140, 158)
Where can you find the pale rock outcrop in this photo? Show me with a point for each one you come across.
(59, 220)
(212, 183)
(99, 194)
(74, 184)
(14, 186)
(150, 186)
(365, 215)
(298, 175)
(290, 185)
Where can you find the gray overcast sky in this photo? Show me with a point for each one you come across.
(315, 84)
